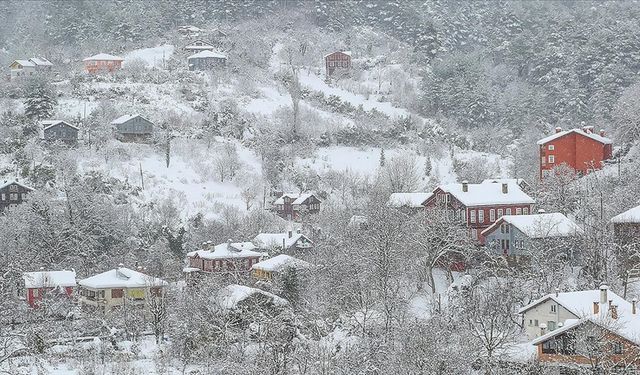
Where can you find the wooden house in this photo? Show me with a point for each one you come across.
(480, 205)
(206, 60)
(132, 128)
(58, 130)
(337, 61)
(102, 63)
(273, 268)
(580, 149)
(13, 193)
(289, 242)
(293, 206)
(41, 284)
(230, 257)
(514, 235)
(626, 226)
(29, 67)
(118, 287)
(199, 46)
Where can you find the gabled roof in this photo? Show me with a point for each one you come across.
(487, 194)
(297, 198)
(279, 263)
(121, 278)
(542, 225)
(103, 57)
(49, 279)
(124, 118)
(11, 182)
(230, 296)
(266, 240)
(579, 303)
(629, 216)
(594, 136)
(413, 200)
(40, 61)
(348, 53)
(207, 54)
(228, 250)
(49, 123)
(203, 46)
(24, 63)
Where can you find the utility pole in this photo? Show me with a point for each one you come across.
(141, 176)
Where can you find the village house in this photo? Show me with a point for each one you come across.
(337, 61)
(234, 257)
(102, 63)
(206, 60)
(41, 284)
(247, 301)
(118, 287)
(410, 201)
(199, 46)
(580, 149)
(359, 222)
(480, 205)
(189, 30)
(29, 67)
(273, 268)
(13, 193)
(132, 128)
(514, 235)
(292, 206)
(289, 242)
(586, 329)
(626, 226)
(58, 130)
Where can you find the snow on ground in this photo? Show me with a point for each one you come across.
(71, 107)
(271, 101)
(154, 57)
(156, 97)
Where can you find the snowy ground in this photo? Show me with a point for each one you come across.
(153, 57)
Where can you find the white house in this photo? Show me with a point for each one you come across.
(29, 67)
(289, 241)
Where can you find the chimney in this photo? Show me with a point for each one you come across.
(541, 211)
(120, 265)
(613, 311)
(543, 329)
(229, 244)
(558, 129)
(557, 291)
(603, 294)
(505, 188)
(298, 231)
(634, 303)
(290, 233)
(596, 308)
(465, 186)
(602, 133)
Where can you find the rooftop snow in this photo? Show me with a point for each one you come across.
(9, 182)
(503, 180)
(579, 303)
(229, 296)
(46, 124)
(103, 57)
(25, 63)
(39, 61)
(487, 194)
(44, 279)
(541, 225)
(228, 250)
(629, 216)
(413, 200)
(279, 263)
(348, 53)
(266, 240)
(124, 118)
(297, 198)
(121, 278)
(593, 136)
(206, 54)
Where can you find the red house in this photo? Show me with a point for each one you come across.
(480, 205)
(226, 257)
(51, 283)
(580, 149)
(292, 206)
(102, 62)
(337, 60)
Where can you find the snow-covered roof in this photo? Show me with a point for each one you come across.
(506, 180)
(11, 182)
(25, 62)
(594, 136)
(487, 194)
(413, 200)
(348, 53)
(202, 46)
(40, 61)
(124, 118)
(265, 240)
(121, 278)
(46, 279)
(228, 250)
(580, 303)
(229, 296)
(297, 198)
(103, 57)
(629, 216)
(207, 54)
(279, 263)
(46, 124)
(540, 225)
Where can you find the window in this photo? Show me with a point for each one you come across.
(480, 216)
(553, 308)
(492, 215)
(4, 197)
(500, 212)
(551, 325)
(508, 211)
(616, 347)
(474, 234)
(518, 211)
(535, 322)
(117, 293)
(13, 188)
(13, 196)
(506, 228)
(530, 322)
(525, 211)
(551, 148)
(552, 159)
(472, 214)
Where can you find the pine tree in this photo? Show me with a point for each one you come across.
(40, 100)
(427, 166)
(382, 158)
(290, 285)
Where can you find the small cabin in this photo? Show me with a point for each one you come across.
(199, 46)
(132, 128)
(207, 60)
(58, 130)
(29, 67)
(339, 60)
(13, 193)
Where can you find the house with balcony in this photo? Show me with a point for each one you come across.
(13, 193)
(294, 206)
(229, 257)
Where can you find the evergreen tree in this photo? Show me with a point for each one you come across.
(382, 158)
(427, 166)
(40, 99)
(290, 285)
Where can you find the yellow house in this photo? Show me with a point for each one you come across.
(118, 287)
